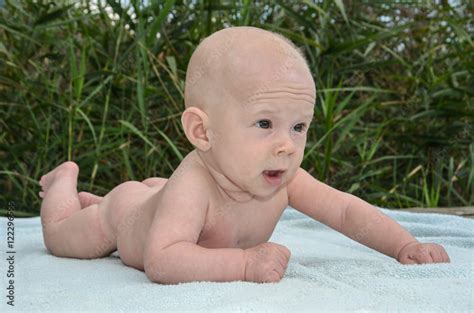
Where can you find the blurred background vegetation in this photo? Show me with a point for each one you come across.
(101, 83)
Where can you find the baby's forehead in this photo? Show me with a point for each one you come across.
(250, 80)
(294, 94)
(244, 64)
(284, 105)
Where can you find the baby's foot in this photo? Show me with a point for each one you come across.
(87, 198)
(66, 169)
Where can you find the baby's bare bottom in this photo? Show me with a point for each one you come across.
(87, 231)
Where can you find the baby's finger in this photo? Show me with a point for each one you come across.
(284, 250)
(275, 276)
(436, 255)
(286, 256)
(445, 256)
(282, 261)
(407, 261)
(423, 257)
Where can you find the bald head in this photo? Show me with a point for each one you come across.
(235, 64)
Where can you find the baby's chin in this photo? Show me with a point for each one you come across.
(265, 195)
(264, 189)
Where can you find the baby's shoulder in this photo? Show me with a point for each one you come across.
(191, 174)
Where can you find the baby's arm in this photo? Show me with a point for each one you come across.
(358, 220)
(171, 253)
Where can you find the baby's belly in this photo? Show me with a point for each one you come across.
(133, 230)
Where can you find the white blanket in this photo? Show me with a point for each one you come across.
(327, 272)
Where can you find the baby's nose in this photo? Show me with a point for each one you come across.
(284, 144)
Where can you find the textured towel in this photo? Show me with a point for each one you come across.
(327, 272)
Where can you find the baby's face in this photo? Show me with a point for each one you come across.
(264, 131)
(267, 136)
(260, 98)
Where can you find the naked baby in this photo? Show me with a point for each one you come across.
(249, 100)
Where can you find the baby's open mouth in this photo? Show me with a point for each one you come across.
(273, 177)
(273, 173)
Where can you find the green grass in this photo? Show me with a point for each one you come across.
(393, 126)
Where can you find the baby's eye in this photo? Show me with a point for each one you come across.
(266, 123)
(301, 127)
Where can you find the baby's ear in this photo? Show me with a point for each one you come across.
(195, 124)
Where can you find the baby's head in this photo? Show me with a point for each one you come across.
(249, 98)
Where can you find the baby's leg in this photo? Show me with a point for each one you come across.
(87, 198)
(154, 181)
(69, 231)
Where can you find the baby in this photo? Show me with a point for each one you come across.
(249, 99)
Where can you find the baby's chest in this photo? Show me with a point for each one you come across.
(232, 225)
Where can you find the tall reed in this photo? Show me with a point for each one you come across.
(103, 85)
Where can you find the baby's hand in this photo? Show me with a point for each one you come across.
(266, 262)
(419, 253)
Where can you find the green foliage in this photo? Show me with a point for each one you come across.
(103, 85)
